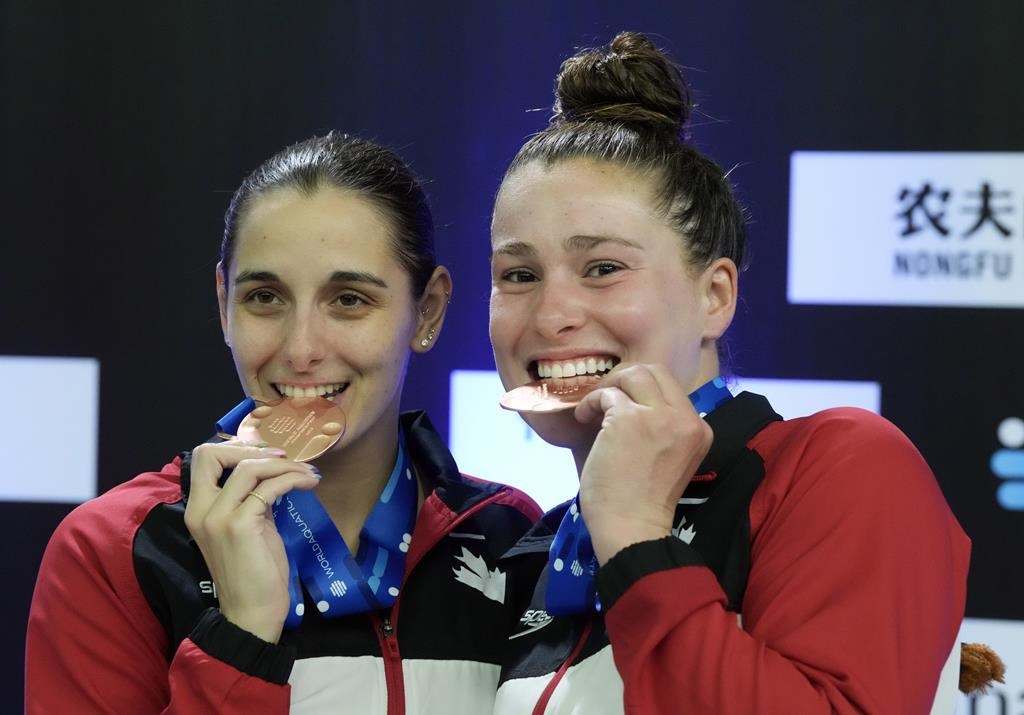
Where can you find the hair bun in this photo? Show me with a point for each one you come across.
(629, 81)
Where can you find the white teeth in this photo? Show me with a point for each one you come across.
(580, 366)
(318, 390)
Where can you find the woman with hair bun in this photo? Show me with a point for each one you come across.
(718, 559)
(323, 554)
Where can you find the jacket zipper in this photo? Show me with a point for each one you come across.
(394, 679)
(387, 626)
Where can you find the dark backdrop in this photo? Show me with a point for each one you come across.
(125, 127)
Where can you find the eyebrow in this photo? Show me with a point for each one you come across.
(335, 277)
(584, 243)
(357, 277)
(514, 248)
(256, 277)
(572, 244)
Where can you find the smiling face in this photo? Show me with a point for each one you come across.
(587, 273)
(315, 302)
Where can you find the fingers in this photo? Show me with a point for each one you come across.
(638, 382)
(671, 389)
(595, 405)
(267, 489)
(249, 473)
(258, 497)
(209, 462)
(646, 385)
(258, 501)
(260, 469)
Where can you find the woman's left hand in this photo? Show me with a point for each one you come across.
(649, 446)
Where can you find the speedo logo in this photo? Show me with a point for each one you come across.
(533, 620)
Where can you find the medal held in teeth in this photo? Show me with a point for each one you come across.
(304, 427)
(562, 385)
(549, 394)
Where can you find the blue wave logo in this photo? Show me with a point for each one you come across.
(1008, 463)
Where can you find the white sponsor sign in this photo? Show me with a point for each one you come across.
(496, 444)
(799, 398)
(49, 428)
(907, 228)
(1007, 639)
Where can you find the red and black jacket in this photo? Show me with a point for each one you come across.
(124, 617)
(815, 568)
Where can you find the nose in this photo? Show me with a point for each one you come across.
(560, 308)
(305, 340)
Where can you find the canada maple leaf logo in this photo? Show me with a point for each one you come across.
(685, 535)
(474, 573)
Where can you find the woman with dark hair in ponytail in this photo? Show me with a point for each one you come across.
(718, 559)
(323, 554)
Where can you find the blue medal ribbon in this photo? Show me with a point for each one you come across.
(572, 564)
(572, 567)
(228, 424)
(318, 557)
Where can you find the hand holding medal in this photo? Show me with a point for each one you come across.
(628, 495)
(317, 560)
(633, 405)
(231, 519)
(651, 440)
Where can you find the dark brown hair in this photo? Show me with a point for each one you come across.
(346, 162)
(628, 104)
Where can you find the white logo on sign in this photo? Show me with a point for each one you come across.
(474, 574)
(338, 588)
(907, 228)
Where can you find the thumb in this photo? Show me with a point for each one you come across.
(593, 407)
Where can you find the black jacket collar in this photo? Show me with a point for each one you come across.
(734, 424)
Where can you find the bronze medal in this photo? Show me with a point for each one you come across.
(549, 394)
(304, 427)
